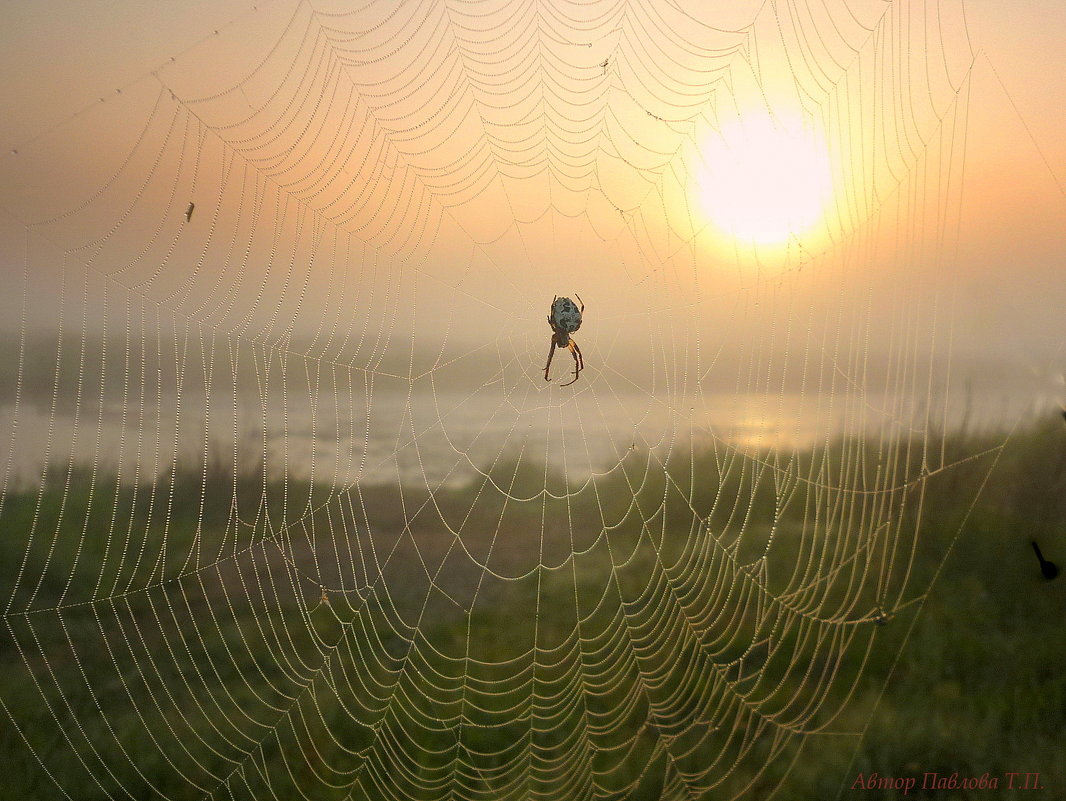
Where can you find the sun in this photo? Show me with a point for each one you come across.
(765, 179)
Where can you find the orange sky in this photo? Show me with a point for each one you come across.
(1006, 278)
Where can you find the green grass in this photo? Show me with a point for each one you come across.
(173, 640)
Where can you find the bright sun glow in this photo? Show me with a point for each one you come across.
(765, 180)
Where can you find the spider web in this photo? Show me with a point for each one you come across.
(297, 514)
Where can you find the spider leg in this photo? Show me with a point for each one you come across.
(551, 353)
(579, 300)
(579, 362)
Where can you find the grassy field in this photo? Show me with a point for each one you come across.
(175, 642)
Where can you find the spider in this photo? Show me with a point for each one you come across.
(564, 317)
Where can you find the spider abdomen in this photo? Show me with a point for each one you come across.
(565, 315)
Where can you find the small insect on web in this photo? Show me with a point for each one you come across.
(564, 318)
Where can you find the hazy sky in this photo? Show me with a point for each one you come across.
(1006, 292)
(59, 55)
